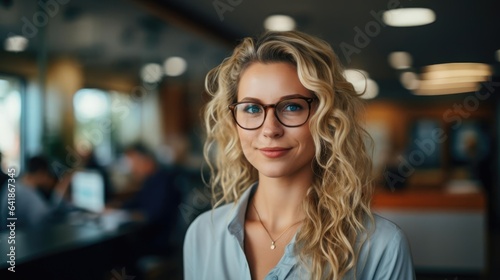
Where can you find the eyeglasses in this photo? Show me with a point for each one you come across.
(289, 112)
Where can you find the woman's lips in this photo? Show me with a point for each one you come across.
(274, 152)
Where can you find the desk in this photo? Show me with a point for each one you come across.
(446, 231)
(425, 200)
(67, 251)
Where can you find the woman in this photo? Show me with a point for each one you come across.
(287, 156)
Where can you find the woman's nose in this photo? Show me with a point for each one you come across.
(272, 126)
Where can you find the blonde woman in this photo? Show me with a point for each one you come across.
(288, 161)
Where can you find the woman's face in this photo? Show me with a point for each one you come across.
(273, 149)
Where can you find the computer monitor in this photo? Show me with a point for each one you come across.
(87, 190)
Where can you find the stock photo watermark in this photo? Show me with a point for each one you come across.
(200, 200)
(425, 147)
(223, 6)
(364, 35)
(40, 19)
(11, 219)
(121, 275)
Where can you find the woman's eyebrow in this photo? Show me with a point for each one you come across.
(250, 99)
(294, 96)
(291, 96)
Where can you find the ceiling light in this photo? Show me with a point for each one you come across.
(400, 60)
(449, 78)
(151, 73)
(279, 23)
(431, 85)
(428, 89)
(371, 89)
(354, 75)
(16, 43)
(405, 17)
(456, 70)
(409, 80)
(175, 66)
(362, 83)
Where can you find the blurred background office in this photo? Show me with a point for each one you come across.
(110, 92)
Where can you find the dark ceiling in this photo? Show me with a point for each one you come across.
(122, 35)
(464, 30)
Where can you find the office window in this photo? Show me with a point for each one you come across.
(127, 119)
(93, 123)
(10, 122)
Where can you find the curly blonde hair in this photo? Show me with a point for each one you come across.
(337, 203)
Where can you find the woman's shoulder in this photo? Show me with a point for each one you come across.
(385, 252)
(384, 231)
(384, 225)
(381, 236)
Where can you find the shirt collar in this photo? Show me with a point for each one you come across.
(237, 219)
(236, 224)
(236, 228)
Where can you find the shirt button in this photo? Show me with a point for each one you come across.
(274, 277)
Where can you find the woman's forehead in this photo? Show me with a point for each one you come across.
(270, 82)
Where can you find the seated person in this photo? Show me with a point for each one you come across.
(37, 202)
(157, 199)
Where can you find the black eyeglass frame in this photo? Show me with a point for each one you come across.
(309, 100)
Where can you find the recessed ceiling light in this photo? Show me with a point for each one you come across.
(409, 80)
(426, 88)
(16, 43)
(405, 17)
(279, 23)
(449, 78)
(400, 60)
(371, 89)
(457, 70)
(175, 66)
(151, 73)
(362, 83)
(355, 75)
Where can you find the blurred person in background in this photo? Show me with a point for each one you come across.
(39, 196)
(156, 201)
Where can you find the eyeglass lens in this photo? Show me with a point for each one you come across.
(290, 112)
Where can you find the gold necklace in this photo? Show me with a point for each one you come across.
(273, 241)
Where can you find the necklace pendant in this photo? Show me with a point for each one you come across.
(273, 246)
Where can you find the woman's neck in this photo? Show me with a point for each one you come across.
(279, 202)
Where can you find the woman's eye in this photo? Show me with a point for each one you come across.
(252, 109)
(292, 107)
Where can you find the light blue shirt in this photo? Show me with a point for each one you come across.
(31, 209)
(214, 249)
